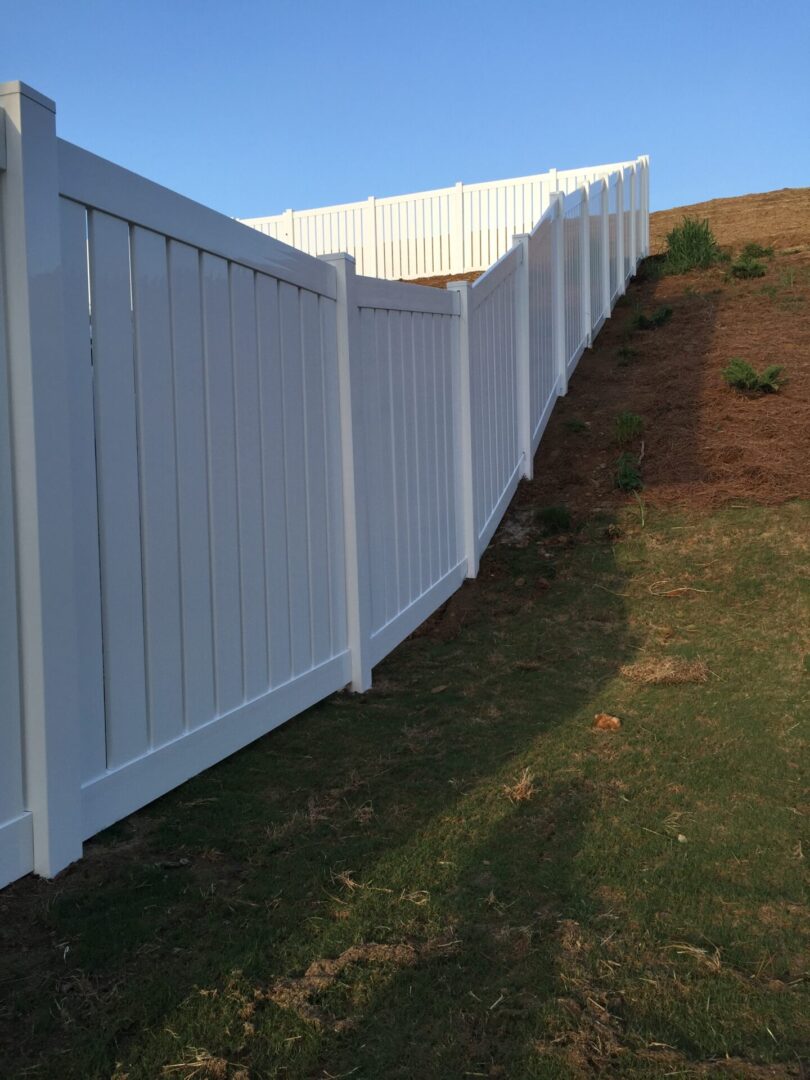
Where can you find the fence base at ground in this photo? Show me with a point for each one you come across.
(233, 477)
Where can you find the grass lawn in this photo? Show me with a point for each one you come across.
(370, 892)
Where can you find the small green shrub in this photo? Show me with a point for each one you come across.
(554, 519)
(640, 321)
(629, 426)
(747, 268)
(625, 354)
(690, 246)
(740, 375)
(575, 426)
(628, 473)
(753, 250)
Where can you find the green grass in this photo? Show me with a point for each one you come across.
(625, 354)
(643, 914)
(690, 246)
(641, 321)
(629, 426)
(740, 375)
(753, 250)
(628, 473)
(747, 268)
(554, 519)
(576, 426)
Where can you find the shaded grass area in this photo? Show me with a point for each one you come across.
(362, 893)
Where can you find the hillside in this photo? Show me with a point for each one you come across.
(703, 443)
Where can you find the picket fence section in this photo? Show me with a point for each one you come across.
(233, 476)
(430, 233)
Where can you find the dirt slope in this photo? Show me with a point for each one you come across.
(704, 444)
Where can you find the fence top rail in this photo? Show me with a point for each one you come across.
(496, 275)
(100, 185)
(599, 170)
(402, 296)
(595, 171)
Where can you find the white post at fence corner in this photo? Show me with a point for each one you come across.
(633, 221)
(50, 611)
(370, 237)
(463, 417)
(288, 228)
(355, 509)
(558, 292)
(523, 354)
(605, 224)
(621, 276)
(457, 230)
(585, 264)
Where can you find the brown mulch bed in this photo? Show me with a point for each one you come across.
(703, 444)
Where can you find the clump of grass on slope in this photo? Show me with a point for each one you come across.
(554, 519)
(629, 426)
(746, 267)
(640, 321)
(754, 250)
(628, 473)
(691, 246)
(739, 374)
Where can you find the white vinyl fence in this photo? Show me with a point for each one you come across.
(430, 233)
(233, 476)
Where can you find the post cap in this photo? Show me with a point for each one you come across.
(15, 88)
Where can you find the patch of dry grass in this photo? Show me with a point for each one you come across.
(666, 671)
(523, 788)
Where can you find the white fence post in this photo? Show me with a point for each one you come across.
(354, 505)
(605, 248)
(523, 354)
(463, 416)
(457, 234)
(621, 276)
(370, 237)
(287, 230)
(585, 264)
(50, 610)
(558, 292)
(633, 222)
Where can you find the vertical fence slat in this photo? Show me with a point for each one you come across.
(192, 484)
(222, 479)
(119, 515)
(158, 486)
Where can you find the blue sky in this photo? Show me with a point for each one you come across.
(253, 107)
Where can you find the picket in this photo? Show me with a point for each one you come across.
(268, 469)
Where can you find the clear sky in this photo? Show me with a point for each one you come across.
(253, 107)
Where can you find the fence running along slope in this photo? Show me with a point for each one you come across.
(233, 476)
(430, 233)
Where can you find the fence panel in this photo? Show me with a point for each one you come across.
(613, 232)
(628, 188)
(457, 229)
(409, 440)
(575, 337)
(219, 498)
(543, 372)
(497, 457)
(599, 309)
